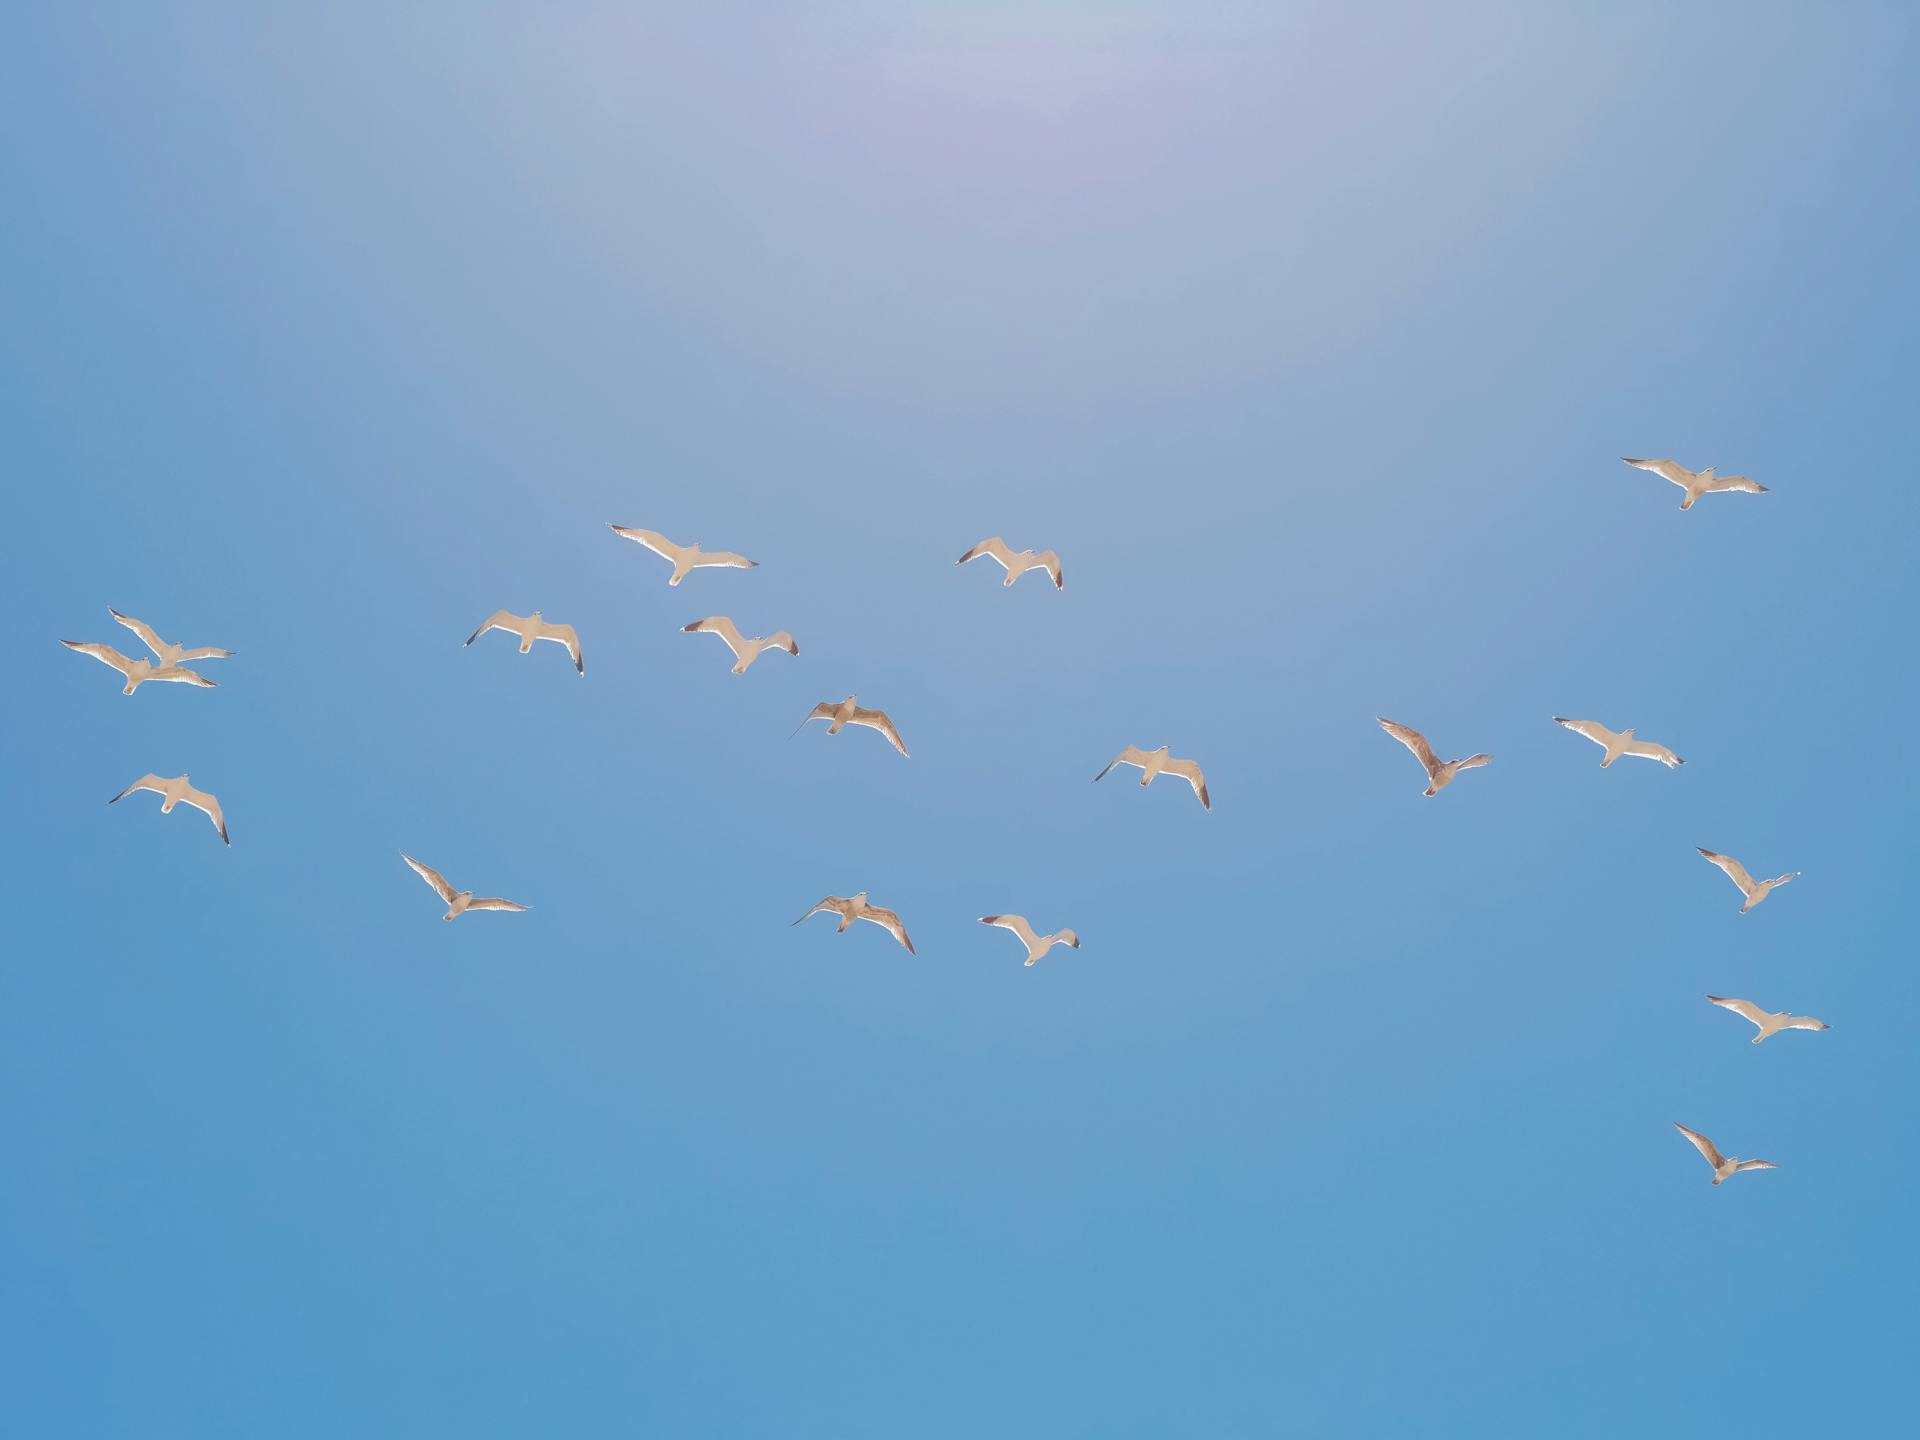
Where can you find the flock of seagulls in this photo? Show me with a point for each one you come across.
(169, 664)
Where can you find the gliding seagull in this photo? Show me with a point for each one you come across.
(1014, 564)
(1754, 890)
(1723, 1165)
(458, 901)
(531, 628)
(745, 651)
(138, 672)
(1037, 945)
(172, 792)
(846, 712)
(857, 908)
(1769, 1023)
(1440, 772)
(165, 651)
(1619, 742)
(1156, 762)
(1697, 482)
(685, 558)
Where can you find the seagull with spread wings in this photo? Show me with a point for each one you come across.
(531, 628)
(1158, 762)
(1037, 945)
(1619, 742)
(1697, 482)
(458, 902)
(137, 672)
(857, 908)
(165, 651)
(1768, 1022)
(686, 558)
(1754, 890)
(1723, 1165)
(1016, 564)
(173, 792)
(1440, 772)
(846, 712)
(745, 651)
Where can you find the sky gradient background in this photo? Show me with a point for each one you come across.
(330, 330)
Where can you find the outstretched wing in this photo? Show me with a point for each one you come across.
(1592, 729)
(1745, 1009)
(889, 921)
(208, 806)
(499, 620)
(1804, 1022)
(723, 627)
(145, 782)
(1665, 469)
(995, 547)
(652, 539)
(432, 876)
(1754, 1165)
(206, 652)
(145, 631)
(494, 903)
(180, 675)
(1736, 482)
(1702, 1144)
(1052, 563)
(1648, 750)
(727, 558)
(105, 654)
(566, 635)
(1189, 770)
(877, 720)
(1017, 924)
(831, 902)
(781, 640)
(1132, 755)
(1735, 871)
(1413, 740)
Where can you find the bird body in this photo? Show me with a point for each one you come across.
(137, 672)
(530, 628)
(853, 908)
(1767, 1021)
(1440, 773)
(172, 792)
(745, 651)
(1723, 1165)
(686, 558)
(1754, 890)
(1697, 482)
(1015, 563)
(1037, 945)
(165, 651)
(1154, 763)
(458, 901)
(848, 712)
(1619, 742)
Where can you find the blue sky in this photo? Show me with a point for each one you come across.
(332, 330)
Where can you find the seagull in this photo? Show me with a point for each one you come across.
(1016, 565)
(1157, 762)
(137, 672)
(531, 628)
(1754, 890)
(846, 712)
(1723, 1165)
(1697, 482)
(685, 558)
(1037, 945)
(458, 901)
(1619, 742)
(165, 651)
(858, 909)
(1769, 1023)
(745, 651)
(173, 792)
(1440, 772)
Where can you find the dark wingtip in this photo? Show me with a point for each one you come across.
(692, 626)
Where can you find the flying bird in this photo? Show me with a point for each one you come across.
(138, 672)
(1157, 762)
(1037, 945)
(1697, 482)
(1754, 890)
(165, 651)
(1440, 772)
(531, 628)
(1619, 742)
(173, 792)
(685, 558)
(846, 712)
(745, 651)
(1723, 1165)
(1769, 1023)
(458, 901)
(857, 908)
(1014, 564)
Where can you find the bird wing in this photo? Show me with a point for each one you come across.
(206, 652)
(1189, 770)
(145, 782)
(1017, 924)
(1702, 1144)
(1804, 1022)
(145, 631)
(1665, 469)
(432, 876)
(1735, 871)
(877, 720)
(781, 640)
(1413, 740)
(181, 675)
(1132, 755)
(723, 627)
(1473, 762)
(889, 921)
(723, 557)
(652, 539)
(1736, 482)
(1052, 563)
(996, 548)
(831, 902)
(1648, 750)
(565, 635)
(1745, 1009)
(499, 620)
(494, 903)
(1754, 1165)
(208, 806)
(1592, 729)
(105, 654)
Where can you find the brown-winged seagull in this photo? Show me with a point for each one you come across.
(745, 651)
(458, 901)
(1697, 482)
(165, 651)
(685, 558)
(1037, 945)
(1769, 1023)
(1015, 563)
(173, 792)
(1723, 1165)
(531, 628)
(1440, 772)
(1158, 762)
(137, 672)
(846, 712)
(1754, 890)
(1619, 742)
(857, 908)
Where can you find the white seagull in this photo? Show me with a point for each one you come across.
(138, 672)
(685, 558)
(1723, 1165)
(846, 712)
(1037, 945)
(1754, 890)
(1014, 564)
(166, 652)
(1769, 1023)
(1440, 772)
(173, 792)
(1619, 742)
(1697, 482)
(1157, 762)
(857, 908)
(531, 628)
(745, 651)
(458, 901)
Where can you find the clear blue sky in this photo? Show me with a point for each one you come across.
(332, 329)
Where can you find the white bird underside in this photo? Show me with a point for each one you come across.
(1696, 482)
(1767, 1021)
(458, 902)
(1016, 563)
(1619, 742)
(137, 672)
(1037, 945)
(685, 558)
(847, 712)
(1154, 763)
(745, 651)
(531, 628)
(177, 791)
(853, 908)
(164, 651)
(1440, 773)
(1754, 890)
(1723, 1165)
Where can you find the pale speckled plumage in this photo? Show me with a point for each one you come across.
(855, 907)
(848, 712)
(1440, 773)
(1723, 1165)
(1754, 890)
(458, 902)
